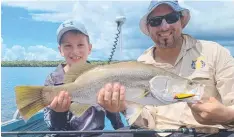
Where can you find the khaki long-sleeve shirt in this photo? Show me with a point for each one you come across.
(206, 60)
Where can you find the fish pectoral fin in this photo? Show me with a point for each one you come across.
(136, 93)
(133, 111)
(143, 94)
(78, 109)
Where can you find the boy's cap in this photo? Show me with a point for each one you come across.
(70, 25)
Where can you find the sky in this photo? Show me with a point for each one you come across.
(28, 28)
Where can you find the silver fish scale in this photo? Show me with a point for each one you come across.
(137, 78)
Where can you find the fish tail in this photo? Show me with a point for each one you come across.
(29, 100)
(133, 111)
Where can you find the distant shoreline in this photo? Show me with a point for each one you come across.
(25, 63)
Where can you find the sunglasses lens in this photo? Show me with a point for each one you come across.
(172, 17)
(155, 21)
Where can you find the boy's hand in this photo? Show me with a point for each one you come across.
(61, 103)
(112, 97)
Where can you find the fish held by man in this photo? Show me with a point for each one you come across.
(84, 80)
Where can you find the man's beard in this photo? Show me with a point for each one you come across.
(165, 43)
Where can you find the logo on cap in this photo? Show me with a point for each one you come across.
(69, 23)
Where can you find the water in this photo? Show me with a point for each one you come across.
(13, 76)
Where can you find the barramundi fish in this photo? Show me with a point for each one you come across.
(84, 80)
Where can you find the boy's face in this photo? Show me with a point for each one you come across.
(75, 47)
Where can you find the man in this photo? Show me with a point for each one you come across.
(74, 46)
(204, 61)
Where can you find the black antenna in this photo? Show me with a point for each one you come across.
(120, 21)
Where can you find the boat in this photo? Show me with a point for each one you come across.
(35, 123)
(37, 127)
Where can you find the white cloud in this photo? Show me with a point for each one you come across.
(59, 17)
(98, 17)
(48, 6)
(208, 19)
(203, 13)
(211, 18)
(37, 52)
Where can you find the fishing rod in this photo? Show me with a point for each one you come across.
(181, 130)
(186, 131)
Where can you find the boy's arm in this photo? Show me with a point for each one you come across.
(115, 119)
(55, 120)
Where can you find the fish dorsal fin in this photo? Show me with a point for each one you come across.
(76, 70)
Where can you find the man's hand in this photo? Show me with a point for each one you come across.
(61, 103)
(112, 97)
(212, 112)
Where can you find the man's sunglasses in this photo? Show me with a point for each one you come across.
(170, 18)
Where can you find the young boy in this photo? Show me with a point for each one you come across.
(74, 46)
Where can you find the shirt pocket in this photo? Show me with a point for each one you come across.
(200, 74)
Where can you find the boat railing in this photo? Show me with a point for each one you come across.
(16, 115)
